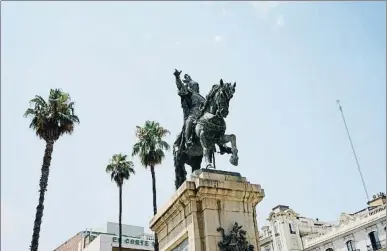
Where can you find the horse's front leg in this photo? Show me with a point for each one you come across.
(234, 150)
(207, 148)
(224, 149)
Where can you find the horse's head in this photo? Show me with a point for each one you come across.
(223, 97)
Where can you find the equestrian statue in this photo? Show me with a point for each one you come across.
(204, 126)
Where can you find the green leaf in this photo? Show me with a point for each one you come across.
(150, 146)
(120, 168)
(52, 119)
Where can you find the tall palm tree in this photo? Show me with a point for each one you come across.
(50, 120)
(150, 149)
(120, 170)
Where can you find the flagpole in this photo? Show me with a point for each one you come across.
(353, 149)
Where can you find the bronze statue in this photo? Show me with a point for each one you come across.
(206, 117)
(235, 241)
(192, 103)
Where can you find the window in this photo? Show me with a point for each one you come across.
(275, 228)
(183, 246)
(291, 228)
(374, 238)
(350, 246)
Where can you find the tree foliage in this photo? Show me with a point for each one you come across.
(120, 168)
(53, 118)
(151, 145)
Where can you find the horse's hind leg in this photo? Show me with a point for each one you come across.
(234, 150)
(196, 162)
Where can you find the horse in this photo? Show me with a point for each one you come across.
(209, 130)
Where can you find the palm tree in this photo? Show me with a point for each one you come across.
(150, 149)
(120, 170)
(49, 120)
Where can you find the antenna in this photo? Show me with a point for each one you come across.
(353, 149)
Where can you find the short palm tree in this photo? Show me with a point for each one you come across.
(50, 120)
(120, 170)
(150, 149)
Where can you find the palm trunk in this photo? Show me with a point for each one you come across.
(43, 187)
(120, 220)
(154, 202)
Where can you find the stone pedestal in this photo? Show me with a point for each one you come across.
(211, 199)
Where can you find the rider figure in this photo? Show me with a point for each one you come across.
(191, 102)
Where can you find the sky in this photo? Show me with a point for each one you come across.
(291, 62)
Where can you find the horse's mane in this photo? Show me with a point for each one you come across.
(209, 98)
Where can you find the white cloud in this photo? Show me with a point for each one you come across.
(148, 36)
(264, 7)
(265, 11)
(280, 21)
(217, 39)
(224, 11)
(177, 43)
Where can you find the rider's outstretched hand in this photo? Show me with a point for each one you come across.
(177, 73)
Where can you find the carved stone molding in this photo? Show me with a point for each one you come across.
(348, 237)
(288, 214)
(346, 218)
(371, 229)
(328, 245)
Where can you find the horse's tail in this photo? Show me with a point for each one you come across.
(178, 159)
(182, 138)
(180, 172)
(179, 142)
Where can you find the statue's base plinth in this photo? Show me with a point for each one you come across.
(211, 199)
(215, 171)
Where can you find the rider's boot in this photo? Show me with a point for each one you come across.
(189, 142)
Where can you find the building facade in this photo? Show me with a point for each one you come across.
(133, 238)
(361, 231)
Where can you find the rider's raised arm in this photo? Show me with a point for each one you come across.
(180, 86)
(182, 89)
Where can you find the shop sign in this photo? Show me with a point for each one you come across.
(134, 241)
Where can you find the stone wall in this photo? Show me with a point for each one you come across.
(211, 199)
(72, 244)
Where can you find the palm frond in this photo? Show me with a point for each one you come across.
(136, 149)
(38, 100)
(165, 145)
(29, 112)
(150, 146)
(53, 118)
(120, 168)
